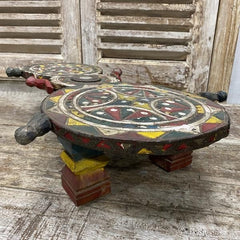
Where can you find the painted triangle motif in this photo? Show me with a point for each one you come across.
(114, 112)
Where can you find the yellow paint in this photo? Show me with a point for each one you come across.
(213, 120)
(55, 99)
(200, 109)
(73, 122)
(85, 165)
(142, 105)
(105, 86)
(76, 113)
(68, 90)
(163, 91)
(124, 97)
(144, 151)
(151, 134)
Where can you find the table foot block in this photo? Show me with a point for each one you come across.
(88, 194)
(172, 162)
(85, 188)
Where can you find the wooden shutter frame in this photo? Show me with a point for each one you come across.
(204, 22)
(228, 25)
(71, 40)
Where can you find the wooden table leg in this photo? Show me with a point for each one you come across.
(172, 162)
(84, 178)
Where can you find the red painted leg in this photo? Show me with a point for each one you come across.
(85, 187)
(172, 162)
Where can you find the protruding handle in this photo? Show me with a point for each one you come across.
(40, 83)
(220, 96)
(116, 72)
(39, 125)
(14, 72)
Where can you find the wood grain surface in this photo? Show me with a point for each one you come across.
(198, 202)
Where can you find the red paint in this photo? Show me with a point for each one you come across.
(139, 114)
(166, 147)
(120, 145)
(182, 146)
(40, 83)
(117, 72)
(85, 140)
(114, 112)
(102, 144)
(206, 127)
(212, 138)
(69, 137)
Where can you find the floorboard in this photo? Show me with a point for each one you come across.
(201, 201)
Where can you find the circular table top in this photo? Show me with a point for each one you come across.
(65, 74)
(61, 70)
(141, 119)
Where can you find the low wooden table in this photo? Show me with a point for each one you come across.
(117, 124)
(53, 76)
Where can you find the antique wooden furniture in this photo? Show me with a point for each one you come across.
(118, 124)
(53, 76)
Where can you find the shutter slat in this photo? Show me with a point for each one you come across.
(18, 16)
(144, 36)
(144, 47)
(20, 45)
(46, 3)
(169, 73)
(143, 9)
(14, 19)
(25, 57)
(30, 32)
(144, 23)
(144, 51)
(151, 1)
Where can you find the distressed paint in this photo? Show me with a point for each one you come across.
(108, 114)
(200, 201)
(84, 165)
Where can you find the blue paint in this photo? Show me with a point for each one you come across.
(77, 152)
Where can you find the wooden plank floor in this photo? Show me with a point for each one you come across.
(201, 201)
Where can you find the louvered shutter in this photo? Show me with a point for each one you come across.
(37, 31)
(153, 41)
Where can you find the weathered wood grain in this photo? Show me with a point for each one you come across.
(25, 45)
(224, 45)
(71, 49)
(88, 32)
(28, 19)
(30, 32)
(204, 22)
(129, 9)
(198, 202)
(144, 23)
(171, 73)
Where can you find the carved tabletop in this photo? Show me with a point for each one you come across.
(136, 119)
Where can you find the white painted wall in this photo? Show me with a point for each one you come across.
(234, 89)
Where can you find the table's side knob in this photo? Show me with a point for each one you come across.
(220, 96)
(14, 72)
(39, 125)
(116, 72)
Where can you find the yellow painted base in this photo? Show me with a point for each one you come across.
(85, 165)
